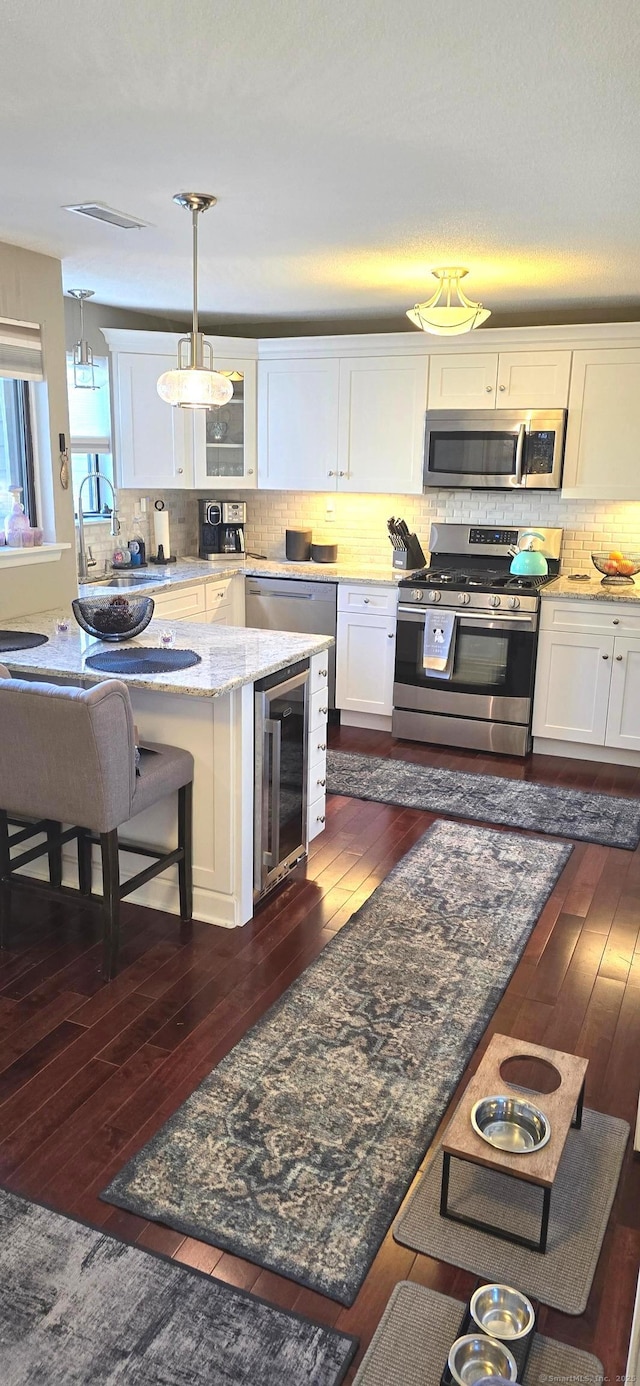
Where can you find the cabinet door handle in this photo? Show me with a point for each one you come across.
(619, 659)
(324, 710)
(250, 471)
(330, 473)
(489, 389)
(320, 818)
(390, 635)
(321, 783)
(322, 746)
(605, 656)
(502, 387)
(180, 471)
(343, 473)
(322, 673)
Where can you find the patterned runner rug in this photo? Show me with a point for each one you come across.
(588, 817)
(297, 1150)
(78, 1306)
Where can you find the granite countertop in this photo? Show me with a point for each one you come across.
(231, 656)
(188, 571)
(590, 591)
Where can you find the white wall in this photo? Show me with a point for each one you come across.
(31, 291)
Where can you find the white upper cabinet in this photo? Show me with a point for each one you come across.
(152, 440)
(355, 424)
(602, 456)
(464, 380)
(298, 424)
(381, 424)
(533, 379)
(224, 440)
(504, 380)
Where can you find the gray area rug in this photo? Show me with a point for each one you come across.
(296, 1151)
(412, 1341)
(587, 817)
(80, 1307)
(580, 1206)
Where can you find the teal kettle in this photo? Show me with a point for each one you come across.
(527, 561)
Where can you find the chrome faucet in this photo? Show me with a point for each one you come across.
(83, 571)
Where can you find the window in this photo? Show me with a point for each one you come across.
(16, 451)
(90, 423)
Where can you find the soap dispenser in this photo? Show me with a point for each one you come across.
(16, 522)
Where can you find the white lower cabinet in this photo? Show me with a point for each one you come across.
(365, 650)
(572, 686)
(588, 674)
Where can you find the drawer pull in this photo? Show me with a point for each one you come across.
(323, 782)
(320, 818)
(615, 622)
(366, 600)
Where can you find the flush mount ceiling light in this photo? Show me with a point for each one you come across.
(449, 311)
(83, 370)
(195, 384)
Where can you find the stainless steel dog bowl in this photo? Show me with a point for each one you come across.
(502, 1312)
(475, 1357)
(510, 1123)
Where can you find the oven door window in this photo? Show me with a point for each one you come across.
(473, 454)
(498, 661)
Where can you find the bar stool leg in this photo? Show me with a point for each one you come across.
(111, 900)
(185, 842)
(5, 888)
(84, 862)
(54, 853)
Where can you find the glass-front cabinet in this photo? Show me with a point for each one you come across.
(224, 439)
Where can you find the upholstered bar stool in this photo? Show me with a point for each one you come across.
(68, 755)
(26, 829)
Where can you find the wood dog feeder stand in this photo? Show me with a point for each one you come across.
(562, 1107)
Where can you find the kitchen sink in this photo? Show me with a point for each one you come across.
(130, 580)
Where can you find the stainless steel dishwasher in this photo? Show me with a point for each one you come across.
(294, 604)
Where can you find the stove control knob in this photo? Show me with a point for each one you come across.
(464, 598)
(514, 603)
(494, 601)
(434, 596)
(417, 594)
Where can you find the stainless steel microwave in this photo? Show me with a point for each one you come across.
(501, 449)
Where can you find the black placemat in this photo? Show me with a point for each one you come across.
(144, 661)
(20, 640)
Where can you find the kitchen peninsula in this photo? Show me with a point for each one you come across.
(207, 709)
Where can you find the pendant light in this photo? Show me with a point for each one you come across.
(195, 384)
(83, 370)
(449, 311)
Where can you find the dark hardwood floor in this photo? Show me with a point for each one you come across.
(88, 1070)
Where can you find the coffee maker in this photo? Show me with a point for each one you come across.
(221, 528)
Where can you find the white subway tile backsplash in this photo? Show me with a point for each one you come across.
(359, 526)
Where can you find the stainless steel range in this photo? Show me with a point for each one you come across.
(483, 698)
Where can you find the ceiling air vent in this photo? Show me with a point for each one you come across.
(100, 212)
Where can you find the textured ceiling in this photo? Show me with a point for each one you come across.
(353, 145)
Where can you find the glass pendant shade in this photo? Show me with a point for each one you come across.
(83, 368)
(194, 384)
(195, 388)
(449, 311)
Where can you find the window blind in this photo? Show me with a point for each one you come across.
(90, 410)
(20, 350)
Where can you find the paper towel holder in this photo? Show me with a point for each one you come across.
(159, 556)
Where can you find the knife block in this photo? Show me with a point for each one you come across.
(409, 557)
